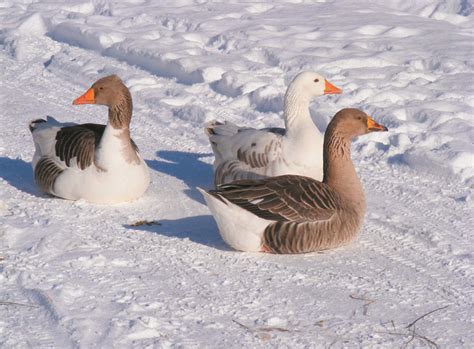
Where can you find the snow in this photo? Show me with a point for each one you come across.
(73, 274)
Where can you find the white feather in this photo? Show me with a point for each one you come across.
(298, 151)
(241, 229)
(113, 180)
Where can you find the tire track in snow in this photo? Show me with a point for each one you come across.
(44, 325)
(395, 243)
(49, 314)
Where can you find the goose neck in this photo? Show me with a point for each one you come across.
(120, 112)
(296, 109)
(339, 171)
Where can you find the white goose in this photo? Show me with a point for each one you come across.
(97, 163)
(248, 153)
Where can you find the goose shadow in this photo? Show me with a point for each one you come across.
(19, 174)
(187, 167)
(200, 229)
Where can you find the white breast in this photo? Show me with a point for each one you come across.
(113, 179)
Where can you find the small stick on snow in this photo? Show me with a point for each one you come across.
(20, 304)
(428, 340)
(412, 329)
(242, 325)
(422, 316)
(413, 335)
(144, 222)
(416, 335)
(362, 298)
(262, 329)
(269, 329)
(393, 325)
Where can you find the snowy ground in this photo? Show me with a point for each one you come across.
(80, 275)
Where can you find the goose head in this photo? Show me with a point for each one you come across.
(309, 84)
(109, 91)
(350, 123)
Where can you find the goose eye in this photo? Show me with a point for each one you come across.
(359, 118)
(316, 80)
(101, 88)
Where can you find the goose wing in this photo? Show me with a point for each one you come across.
(258, 148)
(79, 142)
(255, 148)
(283, 198)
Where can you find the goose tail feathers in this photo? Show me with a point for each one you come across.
(218, 128)
(33, 125)
(40, 123)
(239, 228)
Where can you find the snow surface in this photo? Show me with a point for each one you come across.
(75, 274)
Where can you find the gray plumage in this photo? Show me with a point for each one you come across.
(304, 214)
(249, 153)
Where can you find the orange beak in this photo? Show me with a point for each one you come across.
(373, 126)
(330, 88)
(86, 98)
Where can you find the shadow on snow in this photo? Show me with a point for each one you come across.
(19, 174)
(187, 167)
(200, 229)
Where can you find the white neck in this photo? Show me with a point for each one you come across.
(298, 120)
(113, 144)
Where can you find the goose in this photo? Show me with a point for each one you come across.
(298, 214)
(248, 153)
(97, 163)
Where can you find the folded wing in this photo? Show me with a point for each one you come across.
(285, 198)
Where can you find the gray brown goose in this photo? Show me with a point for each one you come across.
(94, 162)
(296, 214)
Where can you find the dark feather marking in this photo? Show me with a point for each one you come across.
(277, 130)
(68, 149)
(69, 142)
(46, 172)
(80, 142)
(279, 198)
(33, 123)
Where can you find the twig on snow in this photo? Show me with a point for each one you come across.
(262, 329)
(425, 315)
(144, 222)
(414, 335)
(393, 325)
(363, 298)
(431, 342)
(19, 304)
(411, 328)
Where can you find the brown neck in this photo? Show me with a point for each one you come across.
(120, 115)
(120, 112)
(339, 171)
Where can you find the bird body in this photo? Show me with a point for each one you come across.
(248, 153)
(94, 162)
(297, 214)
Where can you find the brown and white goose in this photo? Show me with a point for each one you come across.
(97, 163)
(296, 214)
(248, 153)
